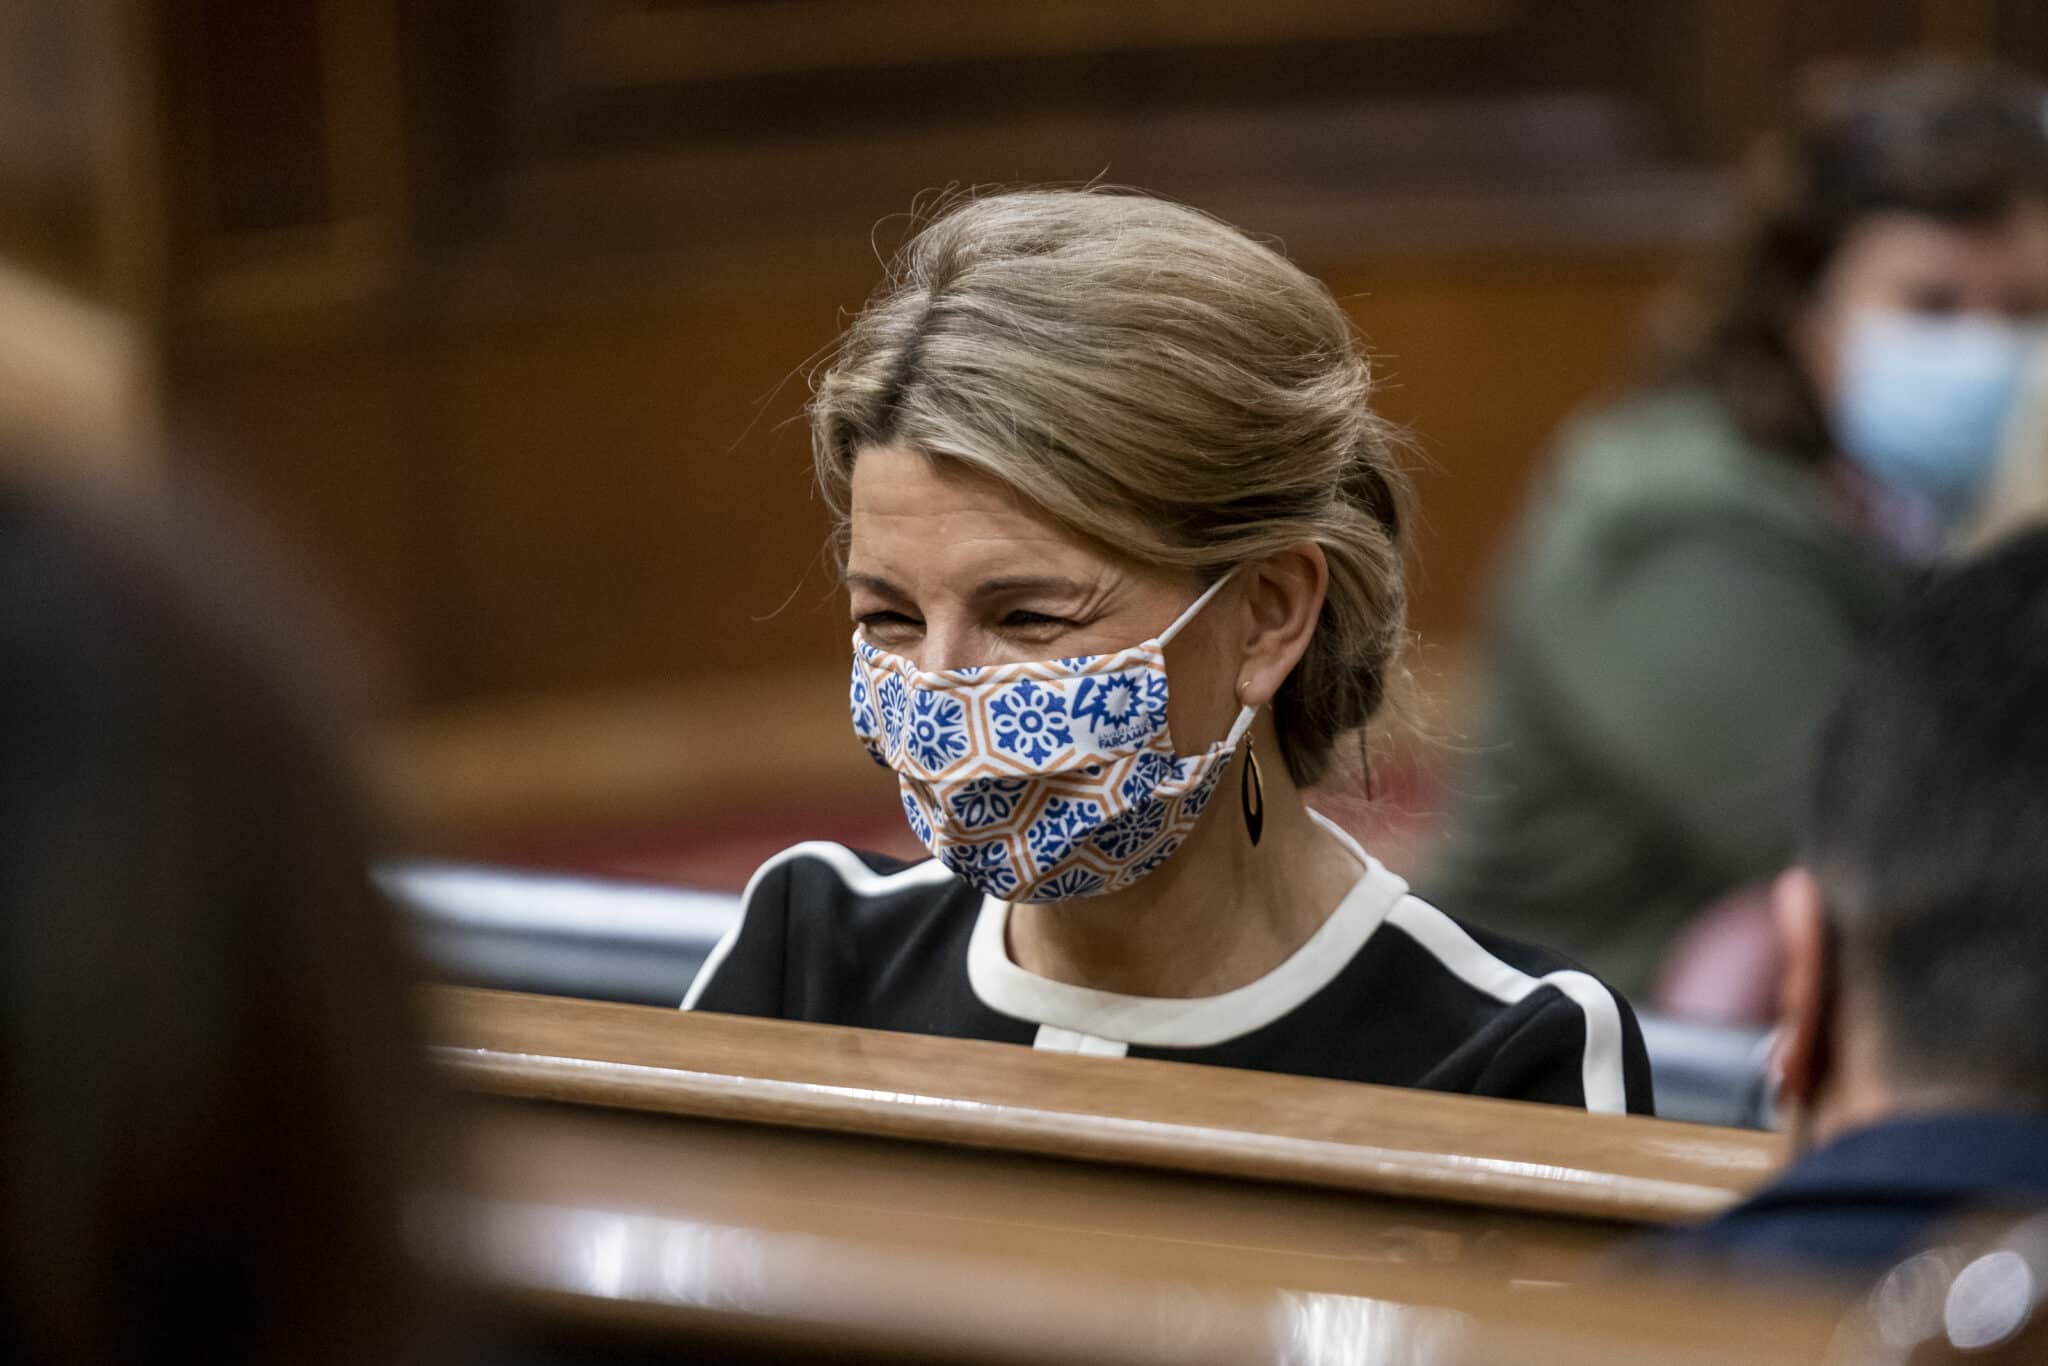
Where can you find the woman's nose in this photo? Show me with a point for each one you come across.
(948, 645)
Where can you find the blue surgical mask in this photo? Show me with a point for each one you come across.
(1922, 404)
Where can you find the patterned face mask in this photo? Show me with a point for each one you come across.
(1040, 782)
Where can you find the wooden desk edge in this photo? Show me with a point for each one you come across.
(1394, 1172)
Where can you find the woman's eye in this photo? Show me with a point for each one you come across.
(1031, 621)
(885, 621)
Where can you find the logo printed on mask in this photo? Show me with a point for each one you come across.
(1121, 710)
(1040, 781)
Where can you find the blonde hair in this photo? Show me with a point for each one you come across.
(1160, 382)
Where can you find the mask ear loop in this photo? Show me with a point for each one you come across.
(1245, 714)
(1193, 610)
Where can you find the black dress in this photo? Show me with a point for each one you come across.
(1389, 990)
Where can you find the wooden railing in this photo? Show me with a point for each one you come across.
(610, 1232)
(1445, 1178)
(702, 1181)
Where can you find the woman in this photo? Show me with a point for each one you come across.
(1081, 445)
(212, 1089)
(1710, 552)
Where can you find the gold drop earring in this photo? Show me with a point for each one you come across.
(1251, 788)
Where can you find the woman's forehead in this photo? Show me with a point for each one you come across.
(1893, 245)
(913, 516)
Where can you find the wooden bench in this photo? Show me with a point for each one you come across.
(690, 1185)
(605, 1238)
(940, 1139)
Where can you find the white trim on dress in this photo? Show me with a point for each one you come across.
(1600, 1070)
(860, 879)
(1193, 1021)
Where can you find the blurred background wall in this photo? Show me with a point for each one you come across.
(502, 309)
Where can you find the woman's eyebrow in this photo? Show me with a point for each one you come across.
(874, 583)
(1016, 585)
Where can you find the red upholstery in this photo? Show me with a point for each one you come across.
(1725, 964)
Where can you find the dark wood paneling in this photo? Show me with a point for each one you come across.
(637, 499)
(327, 435)
(81, 133)
(1481, 360)
(258, 98)
(47, 201)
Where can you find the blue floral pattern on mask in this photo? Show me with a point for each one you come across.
(1031, 722)
(1127, 835)
(987, 866)
(919, 826)
(1151, 862)
(1071, 884)
(891, 702)
(938, 730)
(1197, 801)
(989, 801)
(1152, 771)
(865, 724)
(1065, 821)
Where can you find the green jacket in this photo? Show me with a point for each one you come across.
(1672, 625)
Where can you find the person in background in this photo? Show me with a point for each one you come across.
(2017, 496)
(1707, 554)
(1124, 548)
(209, 1075)
(1914, 1064)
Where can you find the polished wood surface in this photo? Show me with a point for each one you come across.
(1221, 1122)
(687, 1236)
(690, 1184)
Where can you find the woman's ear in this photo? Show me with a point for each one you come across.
(1803, 997)
(1283, 598)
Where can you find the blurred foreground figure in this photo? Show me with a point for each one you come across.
(1710, 552)
(209, 1081)
(1916, 938)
